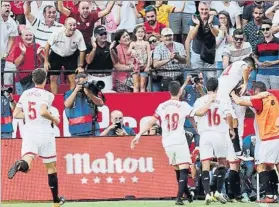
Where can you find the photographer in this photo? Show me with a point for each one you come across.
(7, 105)
(117, 128)
(81, 107)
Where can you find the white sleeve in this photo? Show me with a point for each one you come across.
(20, 101)
(276, 18)
(52, 38)
(158, 112)
(47, 99)
(188, 110)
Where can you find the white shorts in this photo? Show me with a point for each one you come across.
(257, 152)
(179, 154)
(269, 152)
(232, 157)
(42, 145)
(213, 144)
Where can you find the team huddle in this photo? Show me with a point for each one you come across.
(215, 114)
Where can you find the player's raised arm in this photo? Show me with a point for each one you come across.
(203, 110)
(144, 129)
(46, 114)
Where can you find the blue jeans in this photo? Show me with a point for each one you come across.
(252, 79)
(6, 135)
(20, 88)
(219, 66)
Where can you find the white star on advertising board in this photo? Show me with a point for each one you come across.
(84, 181)
(109, 179)
(135, 179)
(122, 179)
(96, 180)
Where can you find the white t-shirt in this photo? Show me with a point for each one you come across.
(30, 102)
(214, 119)
(223, 44)
(233, 9)
(276, 22)
(173, 114)
(8, 29)
(189, 8)
(127, 17)
(66, 46)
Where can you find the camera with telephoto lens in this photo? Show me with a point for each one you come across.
(195, 78)
(4, 90)
(94, 86)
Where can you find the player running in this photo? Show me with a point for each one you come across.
(214, 133)
(38, 137)
(172, 114)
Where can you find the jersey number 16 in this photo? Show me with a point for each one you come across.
(213, 118)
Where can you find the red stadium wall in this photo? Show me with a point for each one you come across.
(93, 168)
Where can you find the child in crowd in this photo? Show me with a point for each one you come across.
(141, 53)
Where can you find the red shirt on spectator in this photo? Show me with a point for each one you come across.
(17, 7)
(11, 56)
(71, 6)
(29, 60)
(158, 28)
(86, 28)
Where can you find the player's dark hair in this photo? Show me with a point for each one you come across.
(212, 84)
(39, 76)
(174, 87)
(250, 60)
(259, 85)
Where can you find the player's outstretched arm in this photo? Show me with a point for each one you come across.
(18, 113)
(46, 114)
(145, 128)
(240, 101)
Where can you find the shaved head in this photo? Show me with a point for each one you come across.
(70, 20)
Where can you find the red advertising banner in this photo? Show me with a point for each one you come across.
(93, 168)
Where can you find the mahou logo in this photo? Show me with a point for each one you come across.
(82, 164)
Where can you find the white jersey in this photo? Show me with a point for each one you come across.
(231, 76)
(173, 114)
(30, 102)
(214, 119)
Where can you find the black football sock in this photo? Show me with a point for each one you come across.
(221, 173)
(177, 172)
(205, 182)
(273, 177)
(238, 186)
(265, 182)
(23, 167)
(183, 178)
(236, 142)
(232, 183)
(213, 184)
(53, 184)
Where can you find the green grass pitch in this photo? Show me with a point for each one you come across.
(138, 204)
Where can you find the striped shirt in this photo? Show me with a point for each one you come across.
(268, 51)
(235, 54)
(43, 31)
(161, 52)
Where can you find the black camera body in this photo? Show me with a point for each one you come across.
(4, 90)
(195, 78)
(94, 86)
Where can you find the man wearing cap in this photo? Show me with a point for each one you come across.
(169, 55)
(80, 108)
(98, 58)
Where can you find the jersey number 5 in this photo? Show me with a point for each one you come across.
(172, 120)
(215, 117)
(31, 110)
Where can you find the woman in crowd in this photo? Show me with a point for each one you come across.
(224, 38)
(141, 54)
(122, 81)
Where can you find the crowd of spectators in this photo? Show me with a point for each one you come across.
(136, 45)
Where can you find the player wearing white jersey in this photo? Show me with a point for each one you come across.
(172, 114)
(214, 135)
(233, 74)
(38, 135)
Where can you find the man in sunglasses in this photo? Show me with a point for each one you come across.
(267, 53)
(236, 51)
(117, 127)
(98, 58)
